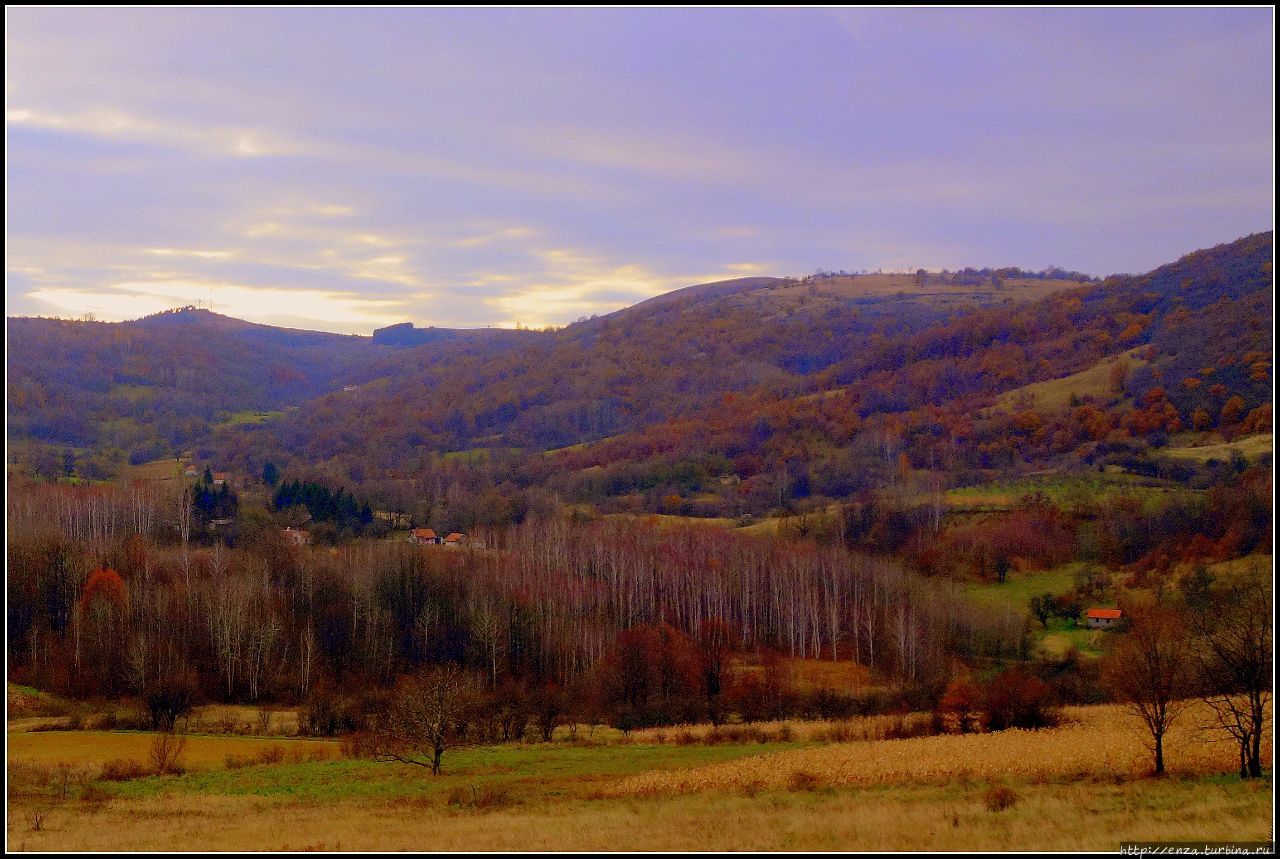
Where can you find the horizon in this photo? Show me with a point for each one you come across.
(483, 168)
(198, 305)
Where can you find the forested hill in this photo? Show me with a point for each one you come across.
(140, 390)
(660, 360)
(824, 385)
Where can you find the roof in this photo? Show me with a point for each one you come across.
(1104, 613)
(424, 532)
(454, 537)
(221, 475)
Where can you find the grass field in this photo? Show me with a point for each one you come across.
(1055, 394)
(1082, 786)
(1062, 489)
(157, 469)
(1251, 447)
(1016, 593)
(249, 416)
(1019, 588)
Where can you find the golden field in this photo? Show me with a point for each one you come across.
(94, 748)
(1094, 743)
(1081, 786)
(1046, 817)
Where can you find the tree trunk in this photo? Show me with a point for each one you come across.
(1160, 754)
(1255, 752)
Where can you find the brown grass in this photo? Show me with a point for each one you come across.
(1046, 817)
(98, 747)
(1095, 743)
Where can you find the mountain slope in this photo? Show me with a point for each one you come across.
(666, 358)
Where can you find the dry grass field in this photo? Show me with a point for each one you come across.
(1054, 394)
(1095, 743)
(1251, 447)
(1082, 786)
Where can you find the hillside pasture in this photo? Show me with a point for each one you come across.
(1056, 394)
(1251, 447)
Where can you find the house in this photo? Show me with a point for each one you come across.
(424, 537)
(295, 537)
(221, 478)
(455, 539)
(1103, 618)
(190, 471)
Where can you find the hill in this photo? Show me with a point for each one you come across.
(139, 390)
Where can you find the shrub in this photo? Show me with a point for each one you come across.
(804, 780)
(999, 798)
(487, 797)
(1018, 700)
(123, 769)
(270, 755)
(167, 749)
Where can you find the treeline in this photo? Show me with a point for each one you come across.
(105, 597)
(323, 504)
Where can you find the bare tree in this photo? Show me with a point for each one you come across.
(1149, 669)
(1233, 628)
(429, 714)
(167, 748)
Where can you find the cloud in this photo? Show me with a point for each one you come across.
(574, 284)
(473, 167)
(132, 299)
(115, 124)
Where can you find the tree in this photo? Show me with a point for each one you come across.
(1042, 608)
(270, 474)
(429, 714)
(1233, 627)
(717, 639)
(1148, 671)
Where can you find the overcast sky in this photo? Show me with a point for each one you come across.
(343, 169)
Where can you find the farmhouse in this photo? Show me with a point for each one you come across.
(295, 537)
(221, 478)
(190, 471)
(1103, 618)
(424, 537)
(455, 539)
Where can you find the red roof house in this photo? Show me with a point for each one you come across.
(1102, 618)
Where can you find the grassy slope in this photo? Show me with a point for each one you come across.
(1062, 489)
(1251, 447)
(1016, 594)
(1054, 394)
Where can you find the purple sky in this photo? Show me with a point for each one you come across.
(342, 169)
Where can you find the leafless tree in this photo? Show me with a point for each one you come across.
(1149, 670)
(1234, 654)
(429, 714)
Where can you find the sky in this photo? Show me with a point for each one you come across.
(346, 169)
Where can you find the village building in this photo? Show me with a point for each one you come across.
(190, 471)
(295, 537)
(221, 478)
(424, 537)
(1102, 618)
(455, 539)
